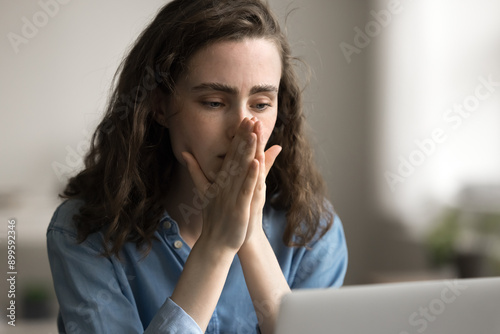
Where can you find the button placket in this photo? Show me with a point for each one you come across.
(173, 238)
(177, 244)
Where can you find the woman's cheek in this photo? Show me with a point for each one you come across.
(268, 128)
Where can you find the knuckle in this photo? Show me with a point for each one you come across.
(242, 147)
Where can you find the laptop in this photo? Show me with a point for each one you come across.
(461, 306)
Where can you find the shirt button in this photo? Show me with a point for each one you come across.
(167, 224)
(178, 244)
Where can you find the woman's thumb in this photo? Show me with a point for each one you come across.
(200, 181)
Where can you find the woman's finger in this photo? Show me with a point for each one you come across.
(240, 156)
(270, 156)
(261, 143)
(247, 188)
(238, 145)
(199, 179)
(244, 159)
(260, 154)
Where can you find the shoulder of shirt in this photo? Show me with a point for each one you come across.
(275, 224)
(335, 231)
(63, 225)
(63, 217)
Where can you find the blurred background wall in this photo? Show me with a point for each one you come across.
(403, 108)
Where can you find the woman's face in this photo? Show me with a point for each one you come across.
(225, 82)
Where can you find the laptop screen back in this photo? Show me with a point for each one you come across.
(433, 307)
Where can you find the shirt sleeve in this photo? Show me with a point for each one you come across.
(92, 297)
(324, 263)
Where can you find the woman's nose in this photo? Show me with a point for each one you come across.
(235, 118)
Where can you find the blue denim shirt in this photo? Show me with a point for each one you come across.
(99, 294)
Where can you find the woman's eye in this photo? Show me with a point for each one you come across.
(212, 104)
(262, 106)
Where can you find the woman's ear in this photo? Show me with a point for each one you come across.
(160, 110)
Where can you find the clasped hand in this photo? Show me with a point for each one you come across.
(233, 215)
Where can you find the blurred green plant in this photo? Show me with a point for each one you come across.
(440, 243)
(489, 224)
(444, 240)
(37, 300)
(36, 292)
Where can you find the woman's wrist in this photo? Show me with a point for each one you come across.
(202, 279)
(218, 250)
(253, 243)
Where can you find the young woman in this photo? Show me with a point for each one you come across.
(199, 206)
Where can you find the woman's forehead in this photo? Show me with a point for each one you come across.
(236, 63)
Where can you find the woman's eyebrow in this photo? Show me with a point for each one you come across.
(233, 90)
(263, 89)
(216, 86)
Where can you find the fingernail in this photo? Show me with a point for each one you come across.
(184, 157)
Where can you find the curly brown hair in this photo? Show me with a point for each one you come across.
(125, 176)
